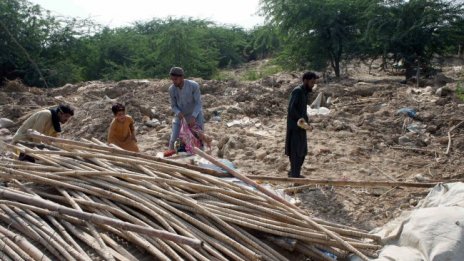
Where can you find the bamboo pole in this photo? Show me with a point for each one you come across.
(19, 224)
(289, 233)
(128, 256)
(48, 234)
(286, 226)
(98, 219)
(86, 238)
(24, 244)
(132, 237)
(165, 248)
(184, 252)
(290, 207)
(44, 138)
(212, 231)
(140, 179)
(20, 252)
(161, 195)
(104, 249)
(246, 251)
(188, 250)
(7, 250)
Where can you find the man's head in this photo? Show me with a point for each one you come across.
(65, 112)
(119, 111)
(309, 79)
(177, 76)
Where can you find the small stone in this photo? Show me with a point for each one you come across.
(420, 178)
(428, 90)
(282, 167)
(4, 132)
(323, 150)
(404, 140)
(260, 154)
(153, 123)
(404, 206)
(6, 123)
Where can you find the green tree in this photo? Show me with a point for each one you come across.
(230, 44)
(47, 50)
(36, 46)
(184, 43)
(317, 33)
(413, 31)
(264, 41)
(22, 28)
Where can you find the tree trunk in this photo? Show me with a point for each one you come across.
(409, 67)
(335, 63)
(337, 68)
(338, 57)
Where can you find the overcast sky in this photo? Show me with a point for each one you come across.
(116, 13)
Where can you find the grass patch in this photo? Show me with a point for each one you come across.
(267, 69)
(250, 75)
(248, 72)
(224, 76)
(460, 91)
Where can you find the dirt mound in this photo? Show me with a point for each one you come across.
(362, 138)
(14, 86)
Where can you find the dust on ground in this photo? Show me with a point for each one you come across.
(362, 139)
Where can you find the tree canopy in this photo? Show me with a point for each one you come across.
(321, 33)
(414, 31)
(48, 50)
(45, 50)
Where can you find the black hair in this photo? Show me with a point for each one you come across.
(66, 108)
(117, 108)
(309, 76)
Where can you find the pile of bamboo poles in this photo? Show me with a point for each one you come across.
(83, 200)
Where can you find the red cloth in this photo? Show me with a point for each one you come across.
(169, 153)
(188, 138)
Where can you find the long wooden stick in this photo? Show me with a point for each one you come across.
(22, 242)
(164, 196)
(9, 194)
(413, 149)
(342, 183)
(44, 138)
(295, 210)
(449, 136)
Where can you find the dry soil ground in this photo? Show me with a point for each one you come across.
(361, 139)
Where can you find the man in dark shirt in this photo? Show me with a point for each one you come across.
(296, 146)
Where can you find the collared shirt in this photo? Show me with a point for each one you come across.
(186, 99)
(40, 121)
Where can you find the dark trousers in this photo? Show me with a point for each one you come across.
(295, 165)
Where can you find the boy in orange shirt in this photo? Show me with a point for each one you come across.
(122, 132)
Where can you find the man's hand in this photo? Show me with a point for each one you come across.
(304, 125)
(180, 115)
(191, 121)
